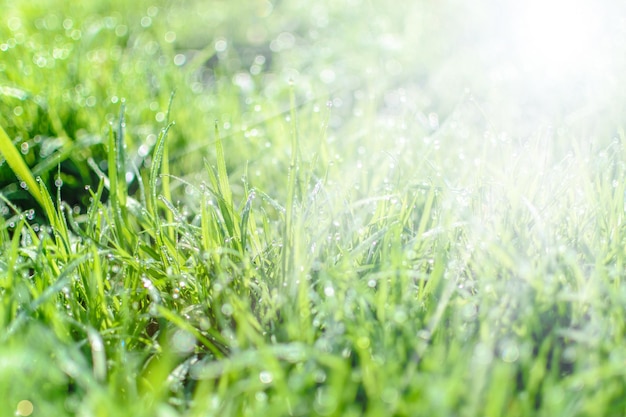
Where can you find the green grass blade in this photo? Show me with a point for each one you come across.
(120, 158)
(155, 168)
(245, 215)
(222, 174)
(165, 170)
(18, 166)
(288, 245)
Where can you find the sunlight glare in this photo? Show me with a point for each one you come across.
(558, 37)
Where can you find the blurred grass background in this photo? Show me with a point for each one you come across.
(66, 69)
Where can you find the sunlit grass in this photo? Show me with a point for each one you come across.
(214, 212)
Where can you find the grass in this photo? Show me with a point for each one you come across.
(211, 212)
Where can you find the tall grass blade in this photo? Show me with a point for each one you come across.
(18, 166)
(165, 169)
(222, 173)
(288, 244)
(157, 159)
(120, 157)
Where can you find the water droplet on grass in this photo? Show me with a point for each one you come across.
(221, 45)
(509, 351)
(266, 377)
(180, 59)
(400, 315)
(24, 408)
(14, 23)
(170, 37)
(227, 310)
(183, 341)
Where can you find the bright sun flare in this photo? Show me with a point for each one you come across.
(558, 37)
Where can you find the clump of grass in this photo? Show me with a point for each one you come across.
(146, 302)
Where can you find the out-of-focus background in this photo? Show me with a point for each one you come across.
(386, 78)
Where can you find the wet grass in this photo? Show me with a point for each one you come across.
(210, 212)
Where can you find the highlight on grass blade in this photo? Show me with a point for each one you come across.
(157, 159)
(19, 167)
(222, 173)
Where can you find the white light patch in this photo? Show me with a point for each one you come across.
(558, 37)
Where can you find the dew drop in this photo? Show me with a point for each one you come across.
(227, 309)
(265, 377)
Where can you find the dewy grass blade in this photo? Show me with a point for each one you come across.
(11, 257)
(245, 215)
(98, 354)
(425, 216)
(222, 173)
(153, 183)
(61, 281)
(221, 190)
(57, 220)
(288, 245)
(156, 166)
(18, 166)
(165, 169)
(120, 158)
(117, 185)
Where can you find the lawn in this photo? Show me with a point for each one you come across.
(296, 208)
